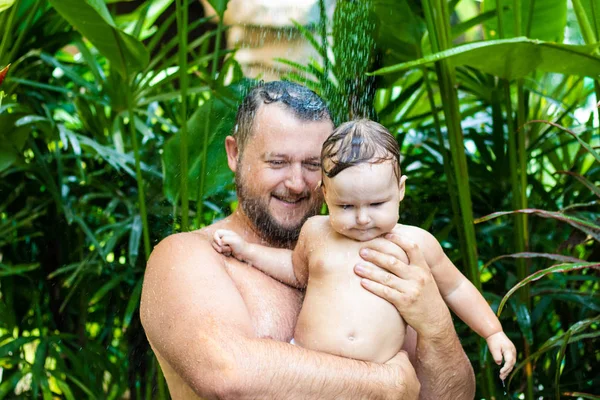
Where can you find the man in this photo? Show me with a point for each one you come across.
(220, 328)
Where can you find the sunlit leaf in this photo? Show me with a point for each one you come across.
(92, 19)
(583, 143)
(588, 227)
(594, 188)
(134, 239)
(573, 334)
(513, 58)
(559, 268)
(556, 257)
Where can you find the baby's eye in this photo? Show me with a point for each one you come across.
(345, 206)
(376, 204)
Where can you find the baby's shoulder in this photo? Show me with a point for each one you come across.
(315, 224)
(418, 235)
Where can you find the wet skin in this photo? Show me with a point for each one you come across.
(338, 315)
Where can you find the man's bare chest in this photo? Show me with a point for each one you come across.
(272, 306)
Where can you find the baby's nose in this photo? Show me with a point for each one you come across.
(362, 217)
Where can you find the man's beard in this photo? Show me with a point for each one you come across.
(257, 211)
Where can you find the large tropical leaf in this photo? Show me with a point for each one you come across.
(398, 42)
(513, 58)
(546, 23)
(221, 119)
(93, 21)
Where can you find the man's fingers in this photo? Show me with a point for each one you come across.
(385, 292)
(381, 276)
(382, 260)
(414, 253)
(387, 247)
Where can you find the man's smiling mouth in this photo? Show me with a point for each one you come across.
(289, 200)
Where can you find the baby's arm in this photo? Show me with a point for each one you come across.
(274, 262)
(466, 302)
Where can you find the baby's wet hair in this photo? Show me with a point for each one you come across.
(358, 142)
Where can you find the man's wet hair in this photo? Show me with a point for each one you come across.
(359, 142)
(302, 102)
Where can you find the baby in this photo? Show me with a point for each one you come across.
(363, 187)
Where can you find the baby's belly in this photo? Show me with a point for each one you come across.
(340, 317)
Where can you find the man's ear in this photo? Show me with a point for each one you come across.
(232, 150)
(402, 187)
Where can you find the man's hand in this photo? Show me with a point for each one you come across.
(502, 348)
(411, 384)
(442, 367)
(229, 243)
(409, 287)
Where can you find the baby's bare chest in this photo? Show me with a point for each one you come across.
(337, 255)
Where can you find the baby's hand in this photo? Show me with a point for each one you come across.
(502, 348)
(229, 243)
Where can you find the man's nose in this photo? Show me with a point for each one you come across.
(362, 216)
(295, 180)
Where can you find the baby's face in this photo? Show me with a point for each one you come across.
(363, 200)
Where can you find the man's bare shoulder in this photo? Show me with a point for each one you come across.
(186, 245)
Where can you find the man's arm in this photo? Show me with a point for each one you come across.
(442, 366)
(196, 319)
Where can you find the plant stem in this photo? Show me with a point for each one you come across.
(182, 21)
(438, 20)
(522, 237)
(447, 80)
(138, 174)
(587, 31)
(213, 73)
(323, 27)
(446, 159)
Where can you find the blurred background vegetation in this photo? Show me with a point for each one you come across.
(112, 122)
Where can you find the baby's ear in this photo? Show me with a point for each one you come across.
(402, 187)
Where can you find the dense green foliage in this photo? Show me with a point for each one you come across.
(111, 138)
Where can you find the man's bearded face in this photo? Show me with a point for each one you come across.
(280, 230)
(278, 174)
